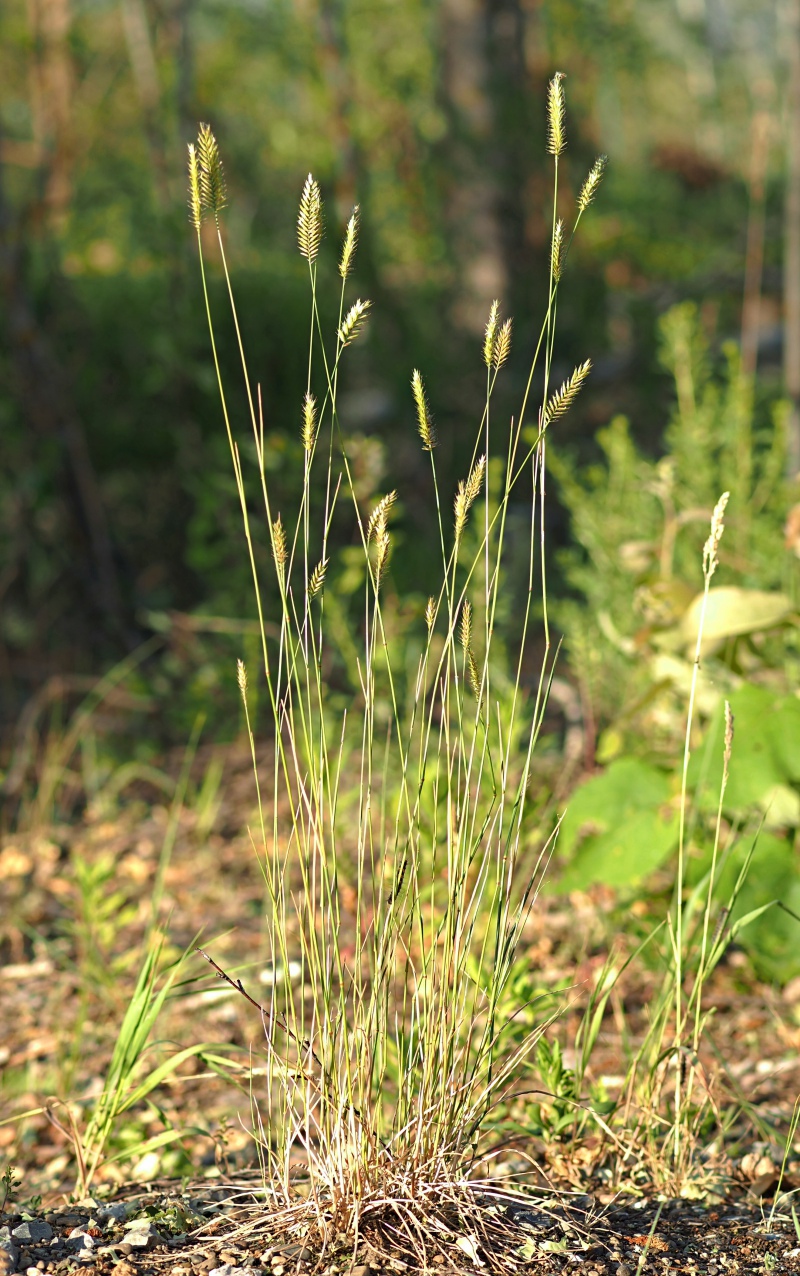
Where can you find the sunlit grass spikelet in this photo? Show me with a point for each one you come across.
(565, 396)
(711, 547)
(491, 334)
(430, 613)
(502, 346)
(317, 579)
(589, 188)
(213, 195)
(473, 674)
(424, 419)
(350, 244)
(279, 549)
(379, 516)
(556, 136)
(466, 625)
(195, 204)
(309, 220)
(466, 494)
(353, 321)
(241, 678)
(557, 250)
(309, 431)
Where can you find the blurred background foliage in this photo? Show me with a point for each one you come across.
(119, 522)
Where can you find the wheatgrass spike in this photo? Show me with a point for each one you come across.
(424, 419)
(556, 135)
(195, 202)
(353, 321)
(565, 396)
(213, 194)
(490, 334)
(309, 220)
(350, 244)
(590, 185)
(502, 345)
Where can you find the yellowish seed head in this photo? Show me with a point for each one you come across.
(466, 494)
(350, 244)
(711, 547)
(424, 419)
(502, 346)
(213, 194)
(589, 188)
(490, 334)
(309, 429)
(466, 625)
(557, 250)
(559, 402)
(317, 578)
(556, 135)
(353, 321)
(430, 613)
(279, 549)
(309, 220)
(195, 203)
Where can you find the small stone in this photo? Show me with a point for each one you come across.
(624, 1270)
(142, 1234)
(360, 1270)
(80, 1240)
(123, 1269)
(34, 1232)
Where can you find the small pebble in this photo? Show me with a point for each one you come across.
(34, 1231)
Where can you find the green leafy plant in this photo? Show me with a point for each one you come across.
(391, 841)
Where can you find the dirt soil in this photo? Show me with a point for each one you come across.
(74, 902)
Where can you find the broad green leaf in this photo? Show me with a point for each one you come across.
(730, 612)
(619, 826)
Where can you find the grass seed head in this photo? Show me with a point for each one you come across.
(466, 494)
(213, 194)
(309, 431)
(309, 220)
(424, 419)
(490, 335)
(711, 547)
(473, 674)
(564, 397)
(353, 321)
(556, 136)
(350, 244)
(502, 346)
(430, 612)
(379, 516)
(466, 625)
(593, 180)
(195, 203)
(279, 549)
(241, 678)
(317, 579)
(557, 250)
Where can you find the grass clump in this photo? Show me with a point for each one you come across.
(392, 837)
